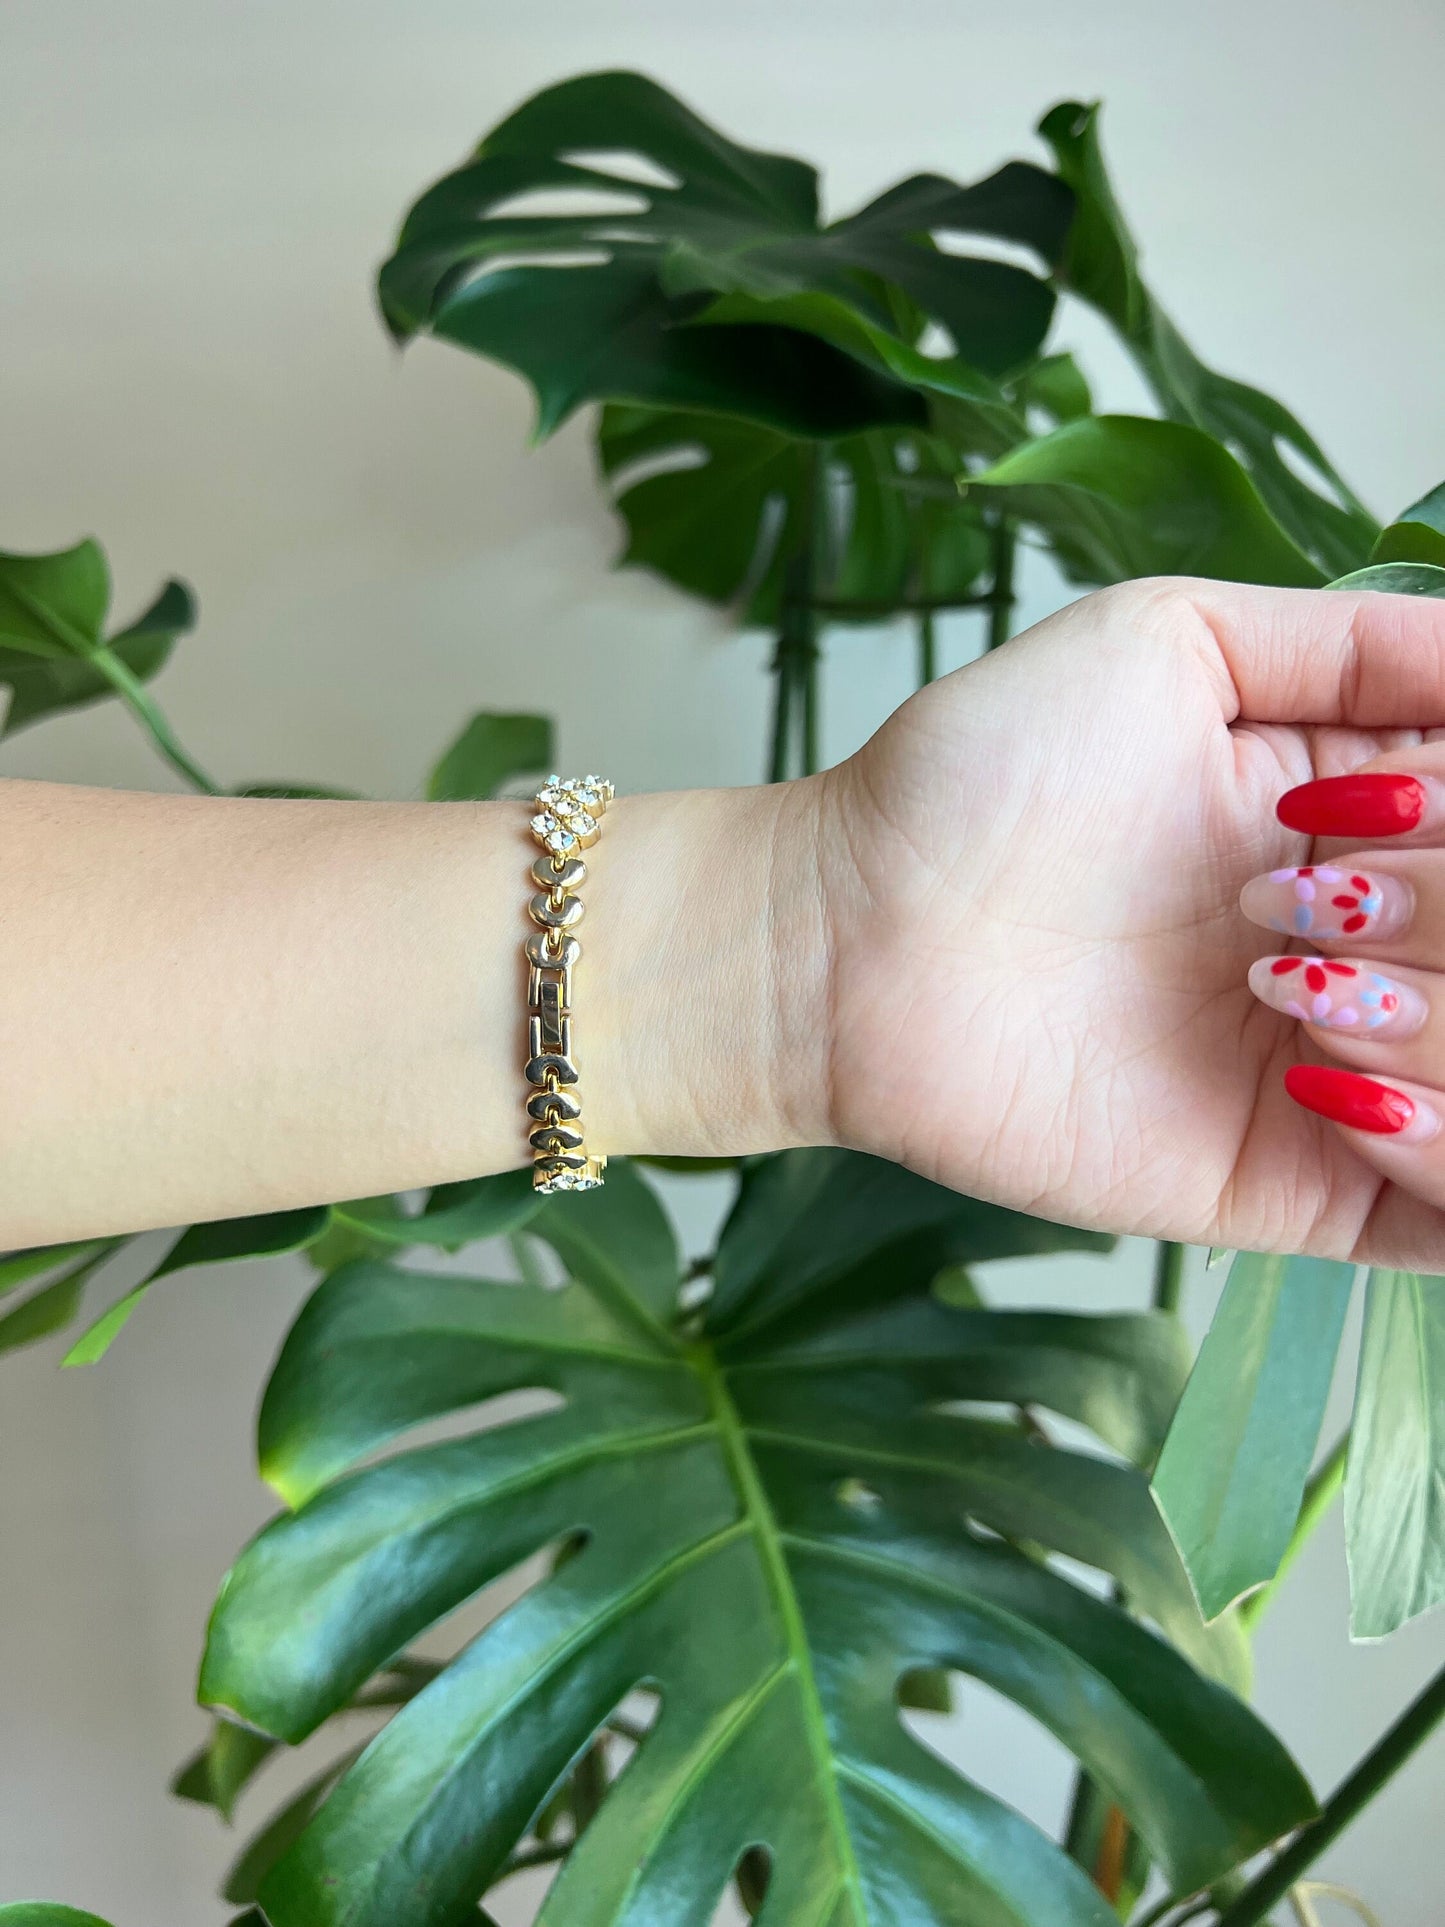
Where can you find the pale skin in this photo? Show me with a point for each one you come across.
(1002, 944)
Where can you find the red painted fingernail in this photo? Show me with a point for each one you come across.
(1347, 1098)
(1377, 803)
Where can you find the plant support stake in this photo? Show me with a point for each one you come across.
(1350, 1798)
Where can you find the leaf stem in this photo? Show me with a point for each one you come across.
(152, 719)
(1350, 1798)
(1168, 1275)
(758, 1514)
(796, 659)
(782, 710)
(927, 648)
(1320, 1493)
(1001, 597)
(811, 696)
(903, 605)
(543, 1856)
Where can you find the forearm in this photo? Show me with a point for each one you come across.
(218, 1006)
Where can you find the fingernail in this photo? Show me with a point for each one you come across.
(1337, 996)
(1378, 803)
(1363, 1103)
(1323, 903)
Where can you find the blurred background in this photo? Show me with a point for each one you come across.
(194, 195)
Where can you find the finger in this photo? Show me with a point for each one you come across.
(1393, 899)
(1394, 1125)
(1340, 656)
(1388, 1022)
(1400, 795)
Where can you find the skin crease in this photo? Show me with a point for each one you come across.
(1001, 944)
(1039, 969)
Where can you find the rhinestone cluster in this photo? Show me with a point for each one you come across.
(567, 820)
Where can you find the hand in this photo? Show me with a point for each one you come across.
(1039, 966)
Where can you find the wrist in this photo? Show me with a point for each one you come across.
(703, 1012)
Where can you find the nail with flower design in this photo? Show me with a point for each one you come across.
(1337, 995)
(1326, 904)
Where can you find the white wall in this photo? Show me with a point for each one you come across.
(193, 195)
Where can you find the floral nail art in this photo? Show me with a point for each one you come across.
(1317, 901)
(1337, 996)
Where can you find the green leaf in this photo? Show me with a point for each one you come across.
(297, 792)
(20, 1267)
(597, 305)
(620, 1243)
(993, 423)
(773, 1546)
(455, 1214)
(1321, 516)
(812, 1223)
(1410, 542)
(45, 1312)
(1395, 1476)
(265, 1236)
(1122, 496)
(1057, 386)
(275, 1840)
(222, 1769)
(46, 1913)
(720, 507)
(1233, 1470)
(56, 1303)
(52, 617)
(1396, 578)
(489, 752)
(1418, 535)
(215, 1775)
(1120, 1374)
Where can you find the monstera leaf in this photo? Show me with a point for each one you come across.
(1231, 1477)
(1417, 536)
(1121, 496)
(46, 1913)
(492, 750)
(1101, 265)
(770, 1528)
(721, 508)
(1395, 1478)
(607, 302)
(54, 653)
(1396, 578)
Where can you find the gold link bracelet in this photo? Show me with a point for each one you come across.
(569, 813)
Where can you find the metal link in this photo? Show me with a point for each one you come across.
(568, 820)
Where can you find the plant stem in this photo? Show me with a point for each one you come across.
(1098, 1835)
(543, 1856)
(905, 605)
(1320, 1493)
(782, 712)
(1085, 1823)
(1350, 1798)
(795, 661)
(1168, 1275)
(927, 648)
(1001, 597)
(811, 692)
(148, 713)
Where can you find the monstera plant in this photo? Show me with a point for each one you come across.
(751, 1515)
